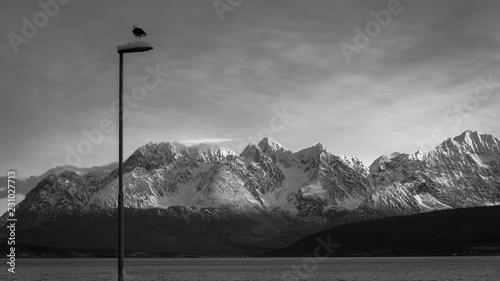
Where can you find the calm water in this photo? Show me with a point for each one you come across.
(220, 269)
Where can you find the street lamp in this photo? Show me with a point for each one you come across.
(132, 47)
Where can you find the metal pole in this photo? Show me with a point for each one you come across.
(133, 47)
(121, 221)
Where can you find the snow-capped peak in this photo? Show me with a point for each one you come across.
(418, 155)
(467, 137)
(314, 150)
(267, 144)
(312, 153)
(475, 140)
(192, 150)
(155, 147)
(320, 147)
(209, 154)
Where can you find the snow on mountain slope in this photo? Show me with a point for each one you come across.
(460, 172)
(282, 194)
(316, 182)
(55, 195)
(266, 177)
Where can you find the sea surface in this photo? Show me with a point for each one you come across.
(220, 269)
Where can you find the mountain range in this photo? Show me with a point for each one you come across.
(210, 200)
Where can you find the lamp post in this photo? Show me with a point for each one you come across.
(132, 47)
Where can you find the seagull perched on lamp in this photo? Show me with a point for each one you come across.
(138, 32)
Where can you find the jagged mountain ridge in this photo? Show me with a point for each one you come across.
(459, 173)
(289, 194)
(265, 176)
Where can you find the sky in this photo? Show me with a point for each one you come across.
(363, 78)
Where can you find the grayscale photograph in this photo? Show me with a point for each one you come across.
(266, 140)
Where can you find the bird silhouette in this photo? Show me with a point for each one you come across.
(138, 32)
